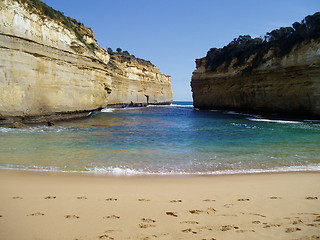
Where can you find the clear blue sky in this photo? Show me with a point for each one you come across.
(173, 33)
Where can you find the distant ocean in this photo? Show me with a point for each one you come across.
(165, 140)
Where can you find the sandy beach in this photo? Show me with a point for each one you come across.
(72, 206)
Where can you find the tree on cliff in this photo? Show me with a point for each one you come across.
(240, 48)
(281, 40)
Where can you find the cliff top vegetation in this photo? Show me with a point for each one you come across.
(39, 7)
(126, 57)
(281, 41)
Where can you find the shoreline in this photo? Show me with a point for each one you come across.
(42, 205)
(69, 116)
(126, 172)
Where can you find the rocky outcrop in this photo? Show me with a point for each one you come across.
(52, 68)
(289, 84)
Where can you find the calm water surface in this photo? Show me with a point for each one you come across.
(174, 139)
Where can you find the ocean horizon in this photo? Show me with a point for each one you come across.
(173, 139)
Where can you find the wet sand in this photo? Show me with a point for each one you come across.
(72, 206)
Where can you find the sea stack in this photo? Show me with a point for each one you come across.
(51, 68)
(279, 73)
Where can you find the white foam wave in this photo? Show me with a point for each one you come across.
(241, 113)
(273, 121)
(107, 110)
(38, 129)
(180, 105)
(233, 113)
(171, 105)
(312, 121)
(118, 171)
(274, 170)
(114, 171)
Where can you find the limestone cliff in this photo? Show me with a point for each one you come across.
(51, 66)
(137, 82)
(266, 80)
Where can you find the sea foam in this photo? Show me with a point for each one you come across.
(107, 110)
(273, 121)
(123, 171)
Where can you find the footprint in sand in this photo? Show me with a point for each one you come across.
(36, 214)
(189, 230)
(209, 228)
(268, 225)
(211, 210)
(71, 216)
(189, 222)
(225, 228)
(275, 197)
(290, 230)
(176, 201)
(143, 200)
(228, 227)
(173, 214)
(243, 231)
(111, 199)
(313, 224)
(196, 211)
(17, 197)
(154, 236)
(317, 219)
(50, 197)
(311, 198)
(105, 236)
(208, 211)
(228, 205)
(112, 217)
(148, 220)
(144, 225)
(295, 222)
(82, 197)
(256, 222)
(243, 199)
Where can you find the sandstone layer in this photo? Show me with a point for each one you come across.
(289, 85)
(49, 71)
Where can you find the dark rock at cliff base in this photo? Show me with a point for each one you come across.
(50, 124)
(19, 125)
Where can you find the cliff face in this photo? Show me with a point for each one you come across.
(289, 84)
(138, 83)
(48, 68)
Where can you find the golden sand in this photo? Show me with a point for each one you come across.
(70, 206)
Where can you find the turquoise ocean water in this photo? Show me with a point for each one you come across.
(166, 140)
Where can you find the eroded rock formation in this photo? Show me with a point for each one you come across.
(53, 68)
(288, 83)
